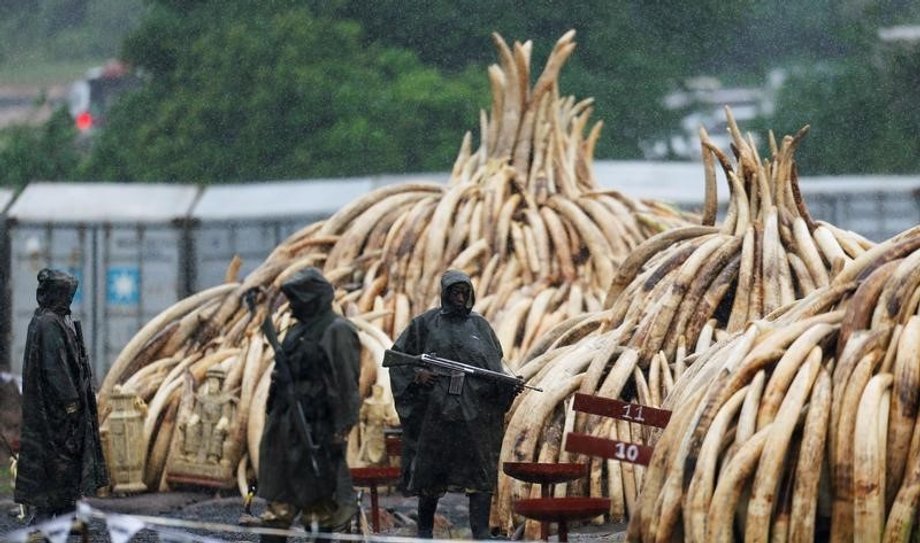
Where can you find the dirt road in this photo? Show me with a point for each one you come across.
(29, 105)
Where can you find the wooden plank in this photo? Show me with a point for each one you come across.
(608, 448)
(618, 409)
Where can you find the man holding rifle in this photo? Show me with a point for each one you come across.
(313, 402)
(453, 421)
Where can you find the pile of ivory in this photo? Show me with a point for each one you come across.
(804, 426)
(671, 298)
(522, 215)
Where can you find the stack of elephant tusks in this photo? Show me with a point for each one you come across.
(522, 215)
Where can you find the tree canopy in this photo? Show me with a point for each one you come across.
(239, 90)
(276, 94)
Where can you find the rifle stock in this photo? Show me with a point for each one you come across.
(81, 343)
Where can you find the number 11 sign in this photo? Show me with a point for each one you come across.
(617, 409)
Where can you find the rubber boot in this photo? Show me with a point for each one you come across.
(480, 507)
(427, 505)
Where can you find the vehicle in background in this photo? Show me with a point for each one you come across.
(701, 102)
(91, 98)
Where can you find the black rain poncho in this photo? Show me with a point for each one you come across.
(61, 455)
(450, 442)
(323, 351)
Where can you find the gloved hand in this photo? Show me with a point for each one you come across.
(277, 386)
(341, 437)
(425, 377)
(250, 297)
(506, 394)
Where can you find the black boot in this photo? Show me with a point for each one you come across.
(427, 505)
(480, 506)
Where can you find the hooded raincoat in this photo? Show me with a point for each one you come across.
(323, 353)
(451, 442)
(61, 455)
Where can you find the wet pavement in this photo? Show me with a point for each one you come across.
(397, 518)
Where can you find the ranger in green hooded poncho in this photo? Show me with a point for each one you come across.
(61, 458)
(323, 354)
(451, 440)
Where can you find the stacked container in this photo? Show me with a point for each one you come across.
(126, 243)
(6, 196)
(251, 219)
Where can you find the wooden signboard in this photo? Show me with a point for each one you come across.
(618, 409)
(608, 448)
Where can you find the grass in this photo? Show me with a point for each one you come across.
(43, 73)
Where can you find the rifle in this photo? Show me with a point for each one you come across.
(250, 494)
(287, 381)
(81, 344)
(456, 370)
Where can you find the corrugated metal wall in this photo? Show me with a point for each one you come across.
(137, 248)
(126, 244)
(6, 197)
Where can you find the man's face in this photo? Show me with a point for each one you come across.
(458, 294)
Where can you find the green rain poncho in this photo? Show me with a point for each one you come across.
(323, 351)
(61, 456)
(451, 442)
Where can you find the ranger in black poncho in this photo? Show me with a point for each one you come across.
(60, 457)
(323, 354)
(451, 440)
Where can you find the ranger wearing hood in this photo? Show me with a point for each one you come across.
(60, 458)
(323, 354)
(451, 439)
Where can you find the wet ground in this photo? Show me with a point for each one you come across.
(223, 513)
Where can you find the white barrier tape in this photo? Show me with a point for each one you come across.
(122, 526)
(57, 529)
(18, 536)
(48, 529)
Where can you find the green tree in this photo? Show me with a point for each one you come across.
(861, 114)
(244, 93)
(46, 152)
(630, 53)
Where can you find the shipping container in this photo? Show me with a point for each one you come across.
(874, 206)
(138, 248)
(126, 243)
(677, 183)
(6, 197)
(251, 219)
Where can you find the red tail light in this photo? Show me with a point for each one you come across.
(84, 121)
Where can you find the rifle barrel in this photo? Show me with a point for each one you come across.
(393, 358)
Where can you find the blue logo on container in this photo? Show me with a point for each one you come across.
(123, 285)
